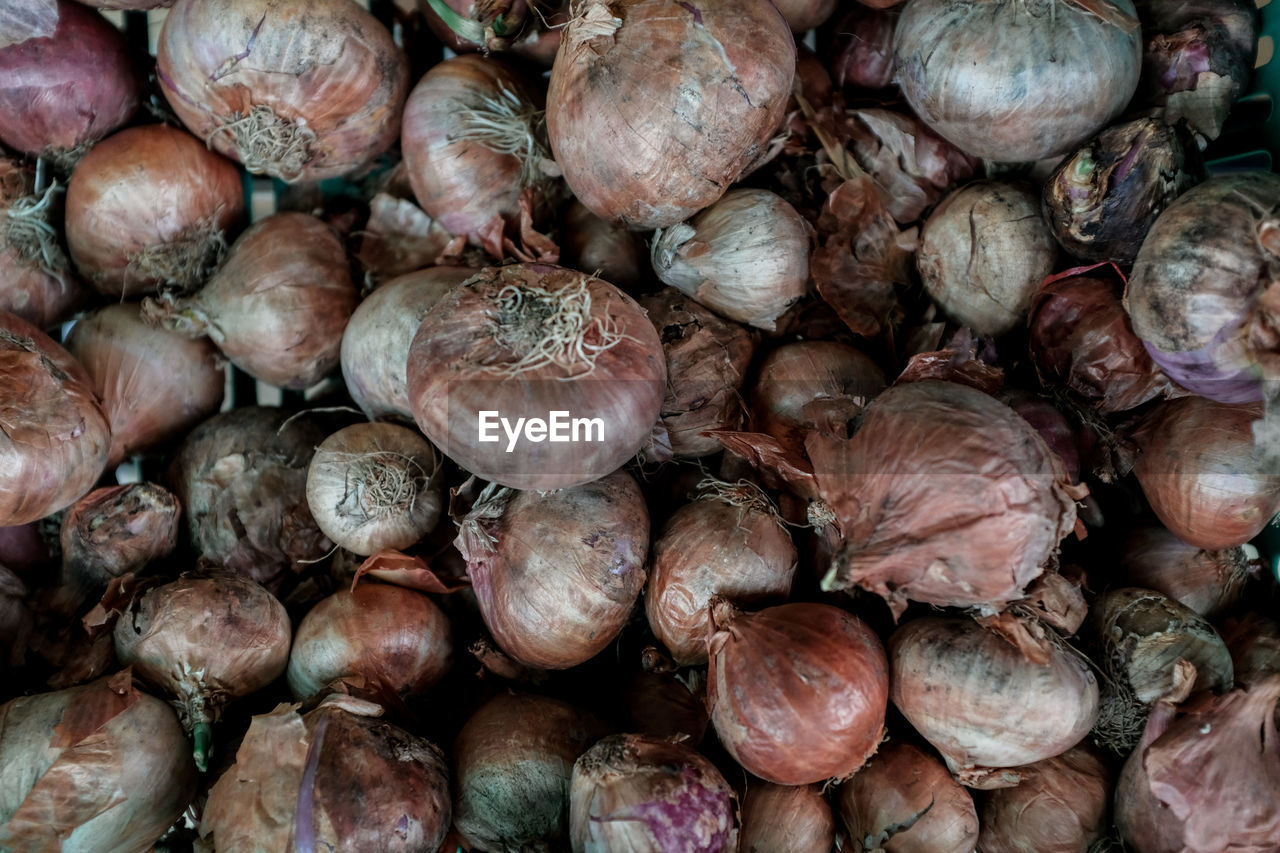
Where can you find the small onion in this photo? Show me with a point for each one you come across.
(655, 107)
(36, 281)
(1060, 806)
(785, 817)
(746, 257)
(983, 252)
(299, 89)
(663, 703)
(469, 25)
(151, 206)
(633, 792)
(860, 53)
(606, 249)
(904, 801)
(277, 306)
(556, 575)
(797, 692)
(154, 385)
(1207, 581)
(116, 530)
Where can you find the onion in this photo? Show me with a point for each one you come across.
(556, 575)
(36, 282)
(116, 530)
(730, 541)
(241, 477)
(514, 758)
(54, 437)
(804, 15)
(62, 91)
(151, 206)
(528, 341)
(299, 90)
(468, 25)
(707, 358)
(205, 640)
(860, 53)
(96, 767)
(134, 5)
(336, 778)
(1202, 474)
(154, 385)
(797, 692)
(664, 703)
(1206, 581)
(785, 817)
(277, 306)
(955, 681)
(1050, 423)
(904, 801)
(655, 108)
(977, 72)
(1254, 641)
(1103, 197)
(16, 619)
(945, 496)
(24, 550)
(1060, 806)
(746, 257)
(606, 249)
(632, 792)
(986, 282)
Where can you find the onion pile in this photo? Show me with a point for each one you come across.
(36, 282)
(1059, 807)
(795, 818)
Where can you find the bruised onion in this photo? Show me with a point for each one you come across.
(786, 817)
(606, 249)
(556, 575)
(797, 692)
(151, 206)
(36, 281)
(745, 256)
(537, 377)
(633, 792)
(904, 801)
(299, 90)
(116, 530)
(154, 385)
(655, 106)
(1208, 581)
(1060, 806)
(277, 306)
(99, 767)
(729, 541)
(336, 778)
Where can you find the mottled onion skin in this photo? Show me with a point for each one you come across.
(1060, 806)
(786, 817)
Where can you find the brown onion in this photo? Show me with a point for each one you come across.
(54, 437)
(557, 574)
(1207, 581)
(151, 206)
(730, 541)
(1254, 641)
(860, 52)
(797, 692)
(804, 15)
(337, 778)
(785, 817)
(745, 256)
(606, 249)
(299, 90)
(1202, 474)
(956, 681)
(36, 281)
(99, 767)
(664, 703)
(1060, 806)
(154, 385)
(116, 530)
(277, 306)
(655, 108)
(904, 801)
(633, 792)
(522, 343)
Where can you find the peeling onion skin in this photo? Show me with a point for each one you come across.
(1209, 581)
(723, 71)
(786, 817)
(1060, 806)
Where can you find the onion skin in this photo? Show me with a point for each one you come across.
(150, 206)
(1207, 581)
(1060, 806)
(115, 530)
(797, 692)
(633, 792)
(1254, 641)
(326, 67)
(716, 80)
(1201, 472)
(904, 801)
(54, 436)
(154, 385)
(786, 817)
(607, 249)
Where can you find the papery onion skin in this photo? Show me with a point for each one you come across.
(797, 692)
(785, 817)
(36, 280)
(98, 767)
(716, 79)
(1202, 474)
(1060, 806)
(904, 801)
(397, 639)
(609, 250)
(1207, 581)
(633, 792)
(55, 437)
(320, 83)
(154, 385)
(150, 206)
(115, 530)
(955, 681)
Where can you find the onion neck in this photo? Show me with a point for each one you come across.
(268, 143)
(25, 229)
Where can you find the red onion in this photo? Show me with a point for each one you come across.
(116, 530)
(797, 692)
(567, 358)
(784, 817)
(151, 206)
(632, 792)
(1207, 581)
(715, 83)
(24, 550)
(606, 249)
(1060, 806)
(860, 54)
(36, 281)
(804, 15)
(299, 90)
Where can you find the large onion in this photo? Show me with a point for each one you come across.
(1060, 806)
(36, 282)
(655, 107)
(795, 818)
(1207, 581)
